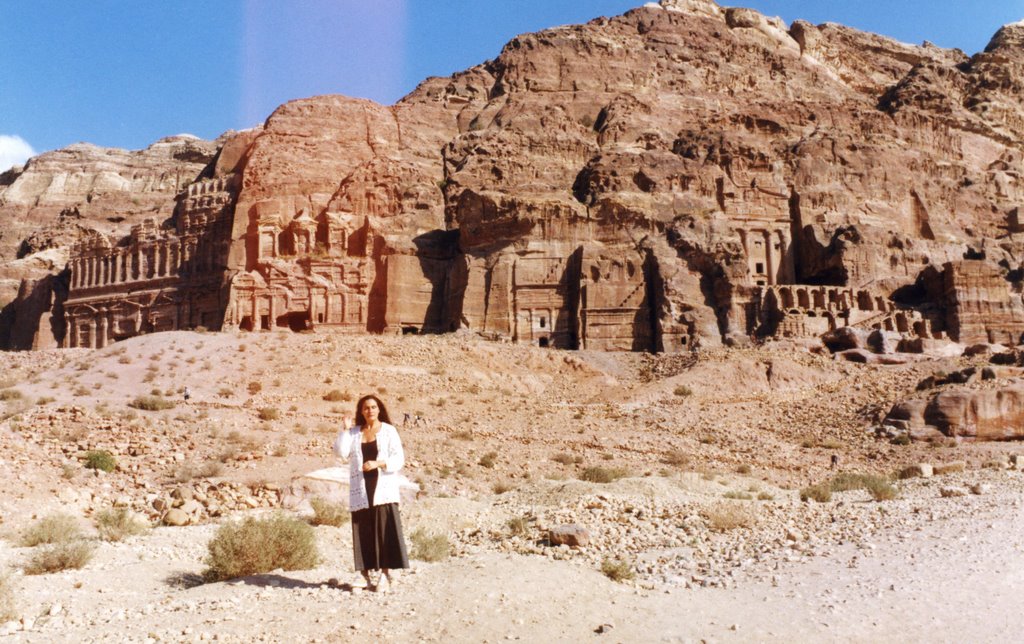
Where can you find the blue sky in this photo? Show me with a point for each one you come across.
(125, 73)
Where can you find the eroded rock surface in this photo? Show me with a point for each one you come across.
(679, 176)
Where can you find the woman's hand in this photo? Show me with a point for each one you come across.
(346, 422)
(369, 466)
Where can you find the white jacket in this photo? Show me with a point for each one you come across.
(389, 449)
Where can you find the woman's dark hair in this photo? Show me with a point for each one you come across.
(383, 415)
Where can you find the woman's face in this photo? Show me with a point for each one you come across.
(370, 410)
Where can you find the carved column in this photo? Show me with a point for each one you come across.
(173, 251)
(101, 331)
(769, 257)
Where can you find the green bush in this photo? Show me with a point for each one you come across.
(69, 555)
(151, 403)
(600, 474)
(617, 569)
(100, 459)
(255, 546)
(428, 547)
(114, 524)
(55, 528)
(327, 513)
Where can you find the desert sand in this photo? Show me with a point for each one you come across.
(708, 513)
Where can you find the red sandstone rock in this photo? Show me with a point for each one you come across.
(985, 414)
(676, 177)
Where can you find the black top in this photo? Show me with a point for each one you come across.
(370, 454)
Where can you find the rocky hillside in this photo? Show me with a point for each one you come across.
(647, 179)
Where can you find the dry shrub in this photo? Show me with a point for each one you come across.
(820, 492)
(617, 569)
(502, 486)
(10, 394)
(519, 526)
(676, 458)
(427, 546)
(337, 395)
(269, 413)
(879, 487)
(69, 555)
(728, 516)
(567, 459)
(463, 435)
(151, 403)
(489, 459)
(115, 524)
(602, 474)
(55, 528)
(328, 513)
(255, 546)
(255, 387)
(741, 496)
(950, 468)
(8, 604)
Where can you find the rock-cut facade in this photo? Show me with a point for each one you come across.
(680, 176)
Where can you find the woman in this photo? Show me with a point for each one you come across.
(375, 456)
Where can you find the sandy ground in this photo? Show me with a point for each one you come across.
(951, 580)
(708, 516)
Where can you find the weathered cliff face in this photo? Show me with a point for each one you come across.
(679, 176)
(59, 196)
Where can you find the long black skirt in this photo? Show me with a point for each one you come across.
(377, 539)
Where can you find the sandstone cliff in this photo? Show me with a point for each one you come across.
(678, 176)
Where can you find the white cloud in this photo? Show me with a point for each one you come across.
(14, 150)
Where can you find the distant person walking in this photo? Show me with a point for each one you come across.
(187, 394)
(374, 451)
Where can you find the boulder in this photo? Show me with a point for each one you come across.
(176, 517)
(571, 534)
(845, 338)
(884, 341)
(191, 507)
(978, 414)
